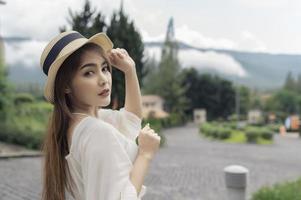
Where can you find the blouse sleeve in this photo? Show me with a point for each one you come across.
(125, 121)
(106, 167)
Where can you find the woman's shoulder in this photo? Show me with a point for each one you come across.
(91, 127)
(117, 116)
(92, 124)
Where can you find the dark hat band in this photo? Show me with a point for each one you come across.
(56, 49)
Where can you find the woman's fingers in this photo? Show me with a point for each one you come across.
(124, 51)
(121, 53)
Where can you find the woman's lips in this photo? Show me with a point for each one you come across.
(105, 93)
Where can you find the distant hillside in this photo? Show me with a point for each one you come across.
(266, 71)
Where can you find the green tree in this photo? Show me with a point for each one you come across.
(166, 80)
(212, 93)
(123, 33)
(87, 22)
(298, 84)
(6, 88)
(290, 83)
(244, 100)
(284, 101)
(150, 82)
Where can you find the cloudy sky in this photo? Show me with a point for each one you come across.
(248, 25)
(255, 25)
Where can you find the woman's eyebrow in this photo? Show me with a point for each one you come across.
(92, 65)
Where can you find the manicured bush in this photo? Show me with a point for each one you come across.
(266, 134)
(23, 98)
(252, 134)
(27, 124)
(282, 191)
(224, 133)
(215, 131)
(274, 127)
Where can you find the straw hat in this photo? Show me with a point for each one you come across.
(62, 46)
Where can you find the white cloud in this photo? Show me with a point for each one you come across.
(26, 53)
(267, 3)
(36, 19)
(219, 62)
(249, 42)
(194, 38)
(41, 19)
(147, 38)
(246, 42)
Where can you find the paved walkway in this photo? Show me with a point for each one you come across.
(188, 168)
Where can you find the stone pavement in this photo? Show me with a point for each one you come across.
(188, 168)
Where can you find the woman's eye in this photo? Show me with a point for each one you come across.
(88, 73)
(106, 68)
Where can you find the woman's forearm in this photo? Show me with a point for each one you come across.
(133, 102)
(139, 171)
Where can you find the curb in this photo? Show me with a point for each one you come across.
(20, 155)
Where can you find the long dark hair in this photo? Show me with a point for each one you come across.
(56, 174)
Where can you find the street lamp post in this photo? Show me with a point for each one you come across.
(237, 102)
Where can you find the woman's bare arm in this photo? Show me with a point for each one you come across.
(139, 170)
(133, 101)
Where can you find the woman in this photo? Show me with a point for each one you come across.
(90, 151)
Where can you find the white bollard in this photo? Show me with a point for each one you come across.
(236, 179)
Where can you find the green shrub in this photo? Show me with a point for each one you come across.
(23, 98)
(252, 134)
(224, 133)
(283, 191)
(26, 125)
(266, 134)
(26, 137)
(274, 127)
(175, 119)
(215, 131)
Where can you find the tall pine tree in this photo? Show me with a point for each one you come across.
(123, 33)
(6, 88)
(87, 22)
(290, 83)
(167, 80)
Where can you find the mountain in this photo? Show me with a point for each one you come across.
(265, 70)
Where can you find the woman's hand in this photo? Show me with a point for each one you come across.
(120, 59)
(149, 142)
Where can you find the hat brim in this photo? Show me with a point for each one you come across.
(100, 39)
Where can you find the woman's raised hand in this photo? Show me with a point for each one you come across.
(120, 59)
(149, 142)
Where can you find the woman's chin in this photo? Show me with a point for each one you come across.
(105, 102)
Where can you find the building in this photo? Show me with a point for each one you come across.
(152, 106)
(255, 117)
(199, 116)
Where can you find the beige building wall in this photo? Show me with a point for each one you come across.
(153, 106)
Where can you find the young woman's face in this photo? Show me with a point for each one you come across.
(92, 77)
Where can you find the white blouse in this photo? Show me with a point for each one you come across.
(101, 156)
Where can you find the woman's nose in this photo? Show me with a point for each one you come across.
(102, 78)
